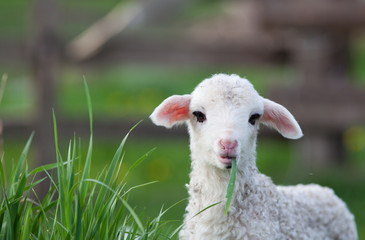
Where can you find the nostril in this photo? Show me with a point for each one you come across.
(226, 144)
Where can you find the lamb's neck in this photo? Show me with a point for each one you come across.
(210, 183)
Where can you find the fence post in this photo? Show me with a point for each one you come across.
(44, 63)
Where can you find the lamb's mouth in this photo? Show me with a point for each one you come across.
(226, 161)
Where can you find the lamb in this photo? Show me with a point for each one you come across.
(223, 115)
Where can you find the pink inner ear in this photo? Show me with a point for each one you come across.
(278, 119)
(281, 119)
(174, 112)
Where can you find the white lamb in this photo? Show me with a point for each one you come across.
(223, 114)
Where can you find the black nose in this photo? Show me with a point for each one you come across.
(229, 166)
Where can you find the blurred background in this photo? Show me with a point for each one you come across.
(307, 55)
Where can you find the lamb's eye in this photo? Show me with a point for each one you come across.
(253, 118)
(200, 117)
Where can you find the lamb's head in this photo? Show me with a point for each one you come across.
(223, 114)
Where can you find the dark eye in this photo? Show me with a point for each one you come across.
(200, 117)
(253, 118)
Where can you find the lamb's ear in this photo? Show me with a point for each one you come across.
(171, 111)
(278, 117)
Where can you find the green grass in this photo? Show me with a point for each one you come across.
(76, 206)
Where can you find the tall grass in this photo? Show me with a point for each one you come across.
(76, 205)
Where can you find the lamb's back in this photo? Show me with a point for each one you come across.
(315, 212)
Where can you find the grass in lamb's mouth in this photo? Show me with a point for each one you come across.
(230, 187)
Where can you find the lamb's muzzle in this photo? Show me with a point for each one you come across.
(228, 150)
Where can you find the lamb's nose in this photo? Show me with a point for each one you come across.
(227, 144)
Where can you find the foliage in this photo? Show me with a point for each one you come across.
(76, 206)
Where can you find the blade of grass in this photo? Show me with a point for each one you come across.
(78, 219)
(181, 226)
(176, 231)
(14, 206)
(33, 184)
(118, 218)
(46, 168)
(3, 173)
(21, 161)
(115, 180)
(138, 186)
(69, 177)
(9, 233)
(136, 163)
(71, 169)
(116, 173)
(86, 172)
(24, 234)
(173, 205)
(231, 183)
(89, 106)
(61, 180)
(212, 205)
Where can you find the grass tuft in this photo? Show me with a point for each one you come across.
(76, 205)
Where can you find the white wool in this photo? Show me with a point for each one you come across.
(259, 209)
